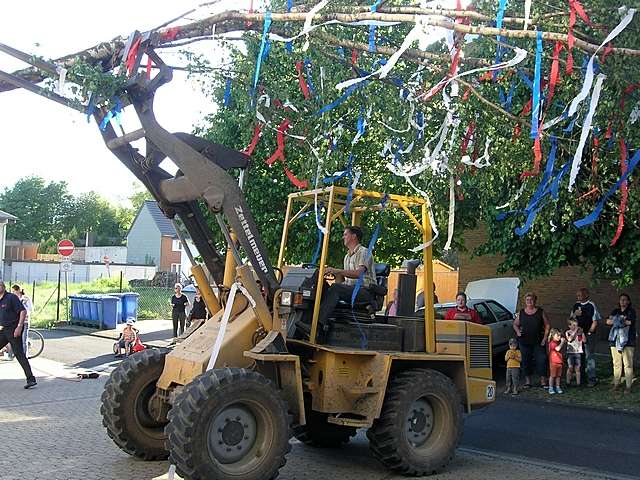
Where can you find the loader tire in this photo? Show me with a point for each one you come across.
(317, 432)
(228, 424)
(125, 405)
(420, 424)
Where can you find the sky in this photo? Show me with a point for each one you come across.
(41, 137)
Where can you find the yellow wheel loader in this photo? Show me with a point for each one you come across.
(224, 402)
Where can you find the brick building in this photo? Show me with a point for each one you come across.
(556, 293)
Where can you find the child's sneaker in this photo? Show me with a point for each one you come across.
(559, 390)
(551, 391)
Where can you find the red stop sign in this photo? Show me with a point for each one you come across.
(65, 247)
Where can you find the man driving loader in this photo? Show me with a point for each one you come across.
(357, 262)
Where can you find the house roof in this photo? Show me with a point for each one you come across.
(165, 226)
(7, 216)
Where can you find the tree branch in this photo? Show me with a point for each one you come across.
(230, 21)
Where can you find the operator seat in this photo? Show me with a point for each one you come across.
(379, 290)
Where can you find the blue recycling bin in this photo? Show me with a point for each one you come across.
(97, 311)
(129, 305)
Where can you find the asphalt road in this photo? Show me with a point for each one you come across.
(597, 440)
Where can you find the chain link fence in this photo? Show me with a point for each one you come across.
(51, 302)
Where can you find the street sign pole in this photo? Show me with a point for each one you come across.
(58, 305)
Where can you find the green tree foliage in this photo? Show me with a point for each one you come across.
(553, 240)
(47, 212)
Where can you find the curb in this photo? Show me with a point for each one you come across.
(562, 467)
(567, 404)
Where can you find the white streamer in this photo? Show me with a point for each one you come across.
(635, 114)
(577, 158)
(514, 199)
(418, 33)
(481, 162)
(306, 28)
(588, 78)
(517, 58)
(452, 212)
(225, 321)
(62, 75)
(527, 13)
(378, 23)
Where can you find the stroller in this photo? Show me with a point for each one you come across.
(129, 340)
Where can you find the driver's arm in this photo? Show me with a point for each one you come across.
(346, 273)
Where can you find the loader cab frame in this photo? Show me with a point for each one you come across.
(335, 200)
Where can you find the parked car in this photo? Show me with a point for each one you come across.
(495, 300)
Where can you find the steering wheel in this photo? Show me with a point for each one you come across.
(309, 265)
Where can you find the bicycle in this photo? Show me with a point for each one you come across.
(35, 343)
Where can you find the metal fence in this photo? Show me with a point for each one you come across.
(52, 304)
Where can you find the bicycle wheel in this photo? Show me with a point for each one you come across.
(35, 343)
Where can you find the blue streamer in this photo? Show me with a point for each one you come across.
(499, 49)
(227, 93)
(308, 71)
(361, 123)
(263, 46)
(372, 28)
(525, 78)
(535, 108)
(593, 216)
(347, 93)
(91, 107)
(289, 45)
(420, 123)
(114, 113)
(316, 252)
(340, 51)
(347, 172)
(508, 104)
(548, 185)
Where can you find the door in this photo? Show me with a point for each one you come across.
(504, 326)
(489, 319)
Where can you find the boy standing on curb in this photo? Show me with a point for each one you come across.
(513, 358)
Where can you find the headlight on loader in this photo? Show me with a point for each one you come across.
(285, 299)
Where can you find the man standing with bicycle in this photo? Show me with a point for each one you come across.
(12, 317)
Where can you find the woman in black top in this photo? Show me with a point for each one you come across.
(179, 303)
(532, 328)
(623, 323)
(199, 309)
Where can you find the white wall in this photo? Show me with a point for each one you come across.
(3, 239)
(185, 263)
(96, 254)
(27, 272)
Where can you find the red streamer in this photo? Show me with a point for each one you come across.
(303, 83)
(279, 155)
(594, 157)
(257, 130)
(170, 34)
(149, 63)
(467, 137)
(607, 50)
(624, 190)
(537, 159)
(574, 7)
(554, 74)
(517, 130)
(131, 57)
(354, 56)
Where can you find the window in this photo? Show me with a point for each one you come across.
(485, 314)
(175, 268)
(176, 247)
(501, 313)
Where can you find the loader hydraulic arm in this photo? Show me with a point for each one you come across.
(203, 166)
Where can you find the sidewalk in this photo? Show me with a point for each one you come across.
(157, 333)
(59, 424)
